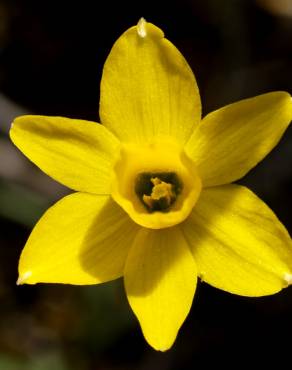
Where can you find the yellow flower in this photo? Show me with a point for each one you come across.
(153, 200)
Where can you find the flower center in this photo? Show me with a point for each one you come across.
(155, 183)
(158, 191)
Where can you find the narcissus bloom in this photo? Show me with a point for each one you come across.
(153, 201)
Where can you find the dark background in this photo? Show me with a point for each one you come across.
(51, 58)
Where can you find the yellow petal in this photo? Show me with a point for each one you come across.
(77, 153)
(82, 239)
(147, 88)
(230, 141)
(238, 243)
(160, 280)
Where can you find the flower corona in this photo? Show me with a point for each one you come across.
(132, 185)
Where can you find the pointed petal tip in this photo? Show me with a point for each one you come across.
(16, 120)
(141, 27)
(11, 129)
(23, 278)
(165, 348)
(162, 349)
(288, 278)
(158, 345)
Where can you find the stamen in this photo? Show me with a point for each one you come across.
(141, 27)
(158, 191)
(161, 191)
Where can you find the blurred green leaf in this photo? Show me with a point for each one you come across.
(51, 361)
(48, 361)
(10, 363)
(107, 313)
(20, 204)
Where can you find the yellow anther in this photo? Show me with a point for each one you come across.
(160, 191)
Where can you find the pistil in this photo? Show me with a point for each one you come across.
(161, 197)
(158, 191)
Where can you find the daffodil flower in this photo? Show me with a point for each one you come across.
(153, 201)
